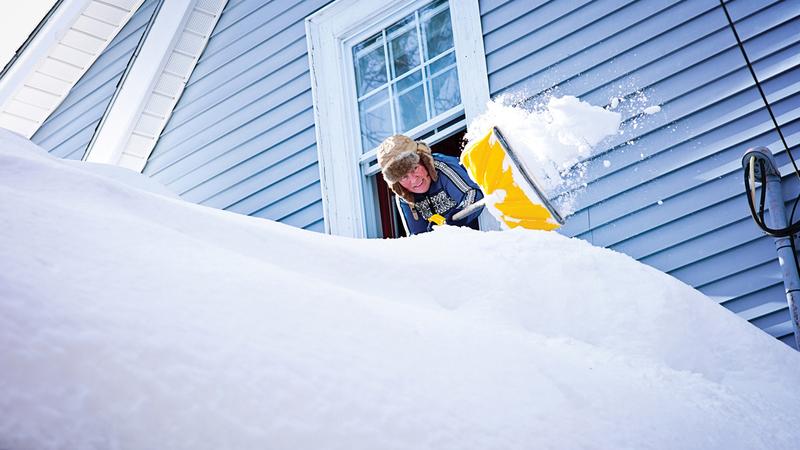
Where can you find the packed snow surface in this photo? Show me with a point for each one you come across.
(133, 320)
(551, 141)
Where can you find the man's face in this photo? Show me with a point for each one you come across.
(417, 180)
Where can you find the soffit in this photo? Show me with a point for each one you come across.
(62, 48)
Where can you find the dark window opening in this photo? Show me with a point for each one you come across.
(391, 225)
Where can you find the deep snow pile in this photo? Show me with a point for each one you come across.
(136, 321)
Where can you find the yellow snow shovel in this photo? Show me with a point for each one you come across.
(484, 161)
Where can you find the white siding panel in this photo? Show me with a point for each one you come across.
(180, 64)
(149, 125)
(76, 57)
(60, 69)
(14, 122)
(67, 131)
(199, 22)
(83, 41)
(38, 97)
(139, 146)
(28, 110)
(105, 12)
(62, 48)
(190, 44)
(169, 85)
(127, 159)
(209, 6)
(157, 103)
(94, 27)
(49, 82)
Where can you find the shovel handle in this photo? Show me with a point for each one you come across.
(469, 209)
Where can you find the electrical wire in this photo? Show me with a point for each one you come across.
(758, 86)
(759, 216)
(793, 227)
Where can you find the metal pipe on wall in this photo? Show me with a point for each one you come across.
(755, 160)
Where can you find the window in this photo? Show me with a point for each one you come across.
(378, 68)
(406, 74)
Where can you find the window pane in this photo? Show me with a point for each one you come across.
(406, 82)
(407, 72)
(437, 30)
(444, 91)
(376, 119)
(411, 108)
(404, 46)
(441, 64)
(370, 64)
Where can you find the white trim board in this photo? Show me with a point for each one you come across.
(154, 82)
(327, 33)
(39, 79)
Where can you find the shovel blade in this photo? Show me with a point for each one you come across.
(491, 163)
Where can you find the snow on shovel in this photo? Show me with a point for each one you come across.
(511, 192)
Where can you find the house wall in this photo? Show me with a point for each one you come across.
(67, 132)
(242, 135)
(669, 190)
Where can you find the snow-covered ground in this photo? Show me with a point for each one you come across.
(134, 320)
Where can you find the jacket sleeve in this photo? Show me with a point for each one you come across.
(412, 226)
(461, 188)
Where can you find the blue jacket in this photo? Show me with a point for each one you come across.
(453, 191)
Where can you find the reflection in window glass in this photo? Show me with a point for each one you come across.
(407, 105)
(437, 28)
(376, 118)
(408, 81)
(370, 64)
(448, 94)
(406, 74)
(441, 64)
(404, 46)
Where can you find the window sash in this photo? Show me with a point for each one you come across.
(391, 82)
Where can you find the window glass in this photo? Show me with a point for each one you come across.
(437, 29)
(448, 95)
(443, 63)
(407, 104)
(406, 74)
(370, 64)
(404, 46)
(376, 118)
(406, 82)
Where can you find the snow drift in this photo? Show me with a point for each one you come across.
(133, 320)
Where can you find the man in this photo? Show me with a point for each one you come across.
(430, 188)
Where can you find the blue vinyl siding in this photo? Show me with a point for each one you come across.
(669, 191)
(242, 136)
(67, 132)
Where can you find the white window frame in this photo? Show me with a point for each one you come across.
(329, 33)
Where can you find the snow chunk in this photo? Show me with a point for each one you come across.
(652, 109)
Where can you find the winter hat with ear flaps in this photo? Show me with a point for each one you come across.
(397, 155)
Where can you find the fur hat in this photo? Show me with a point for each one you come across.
(397, 155)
